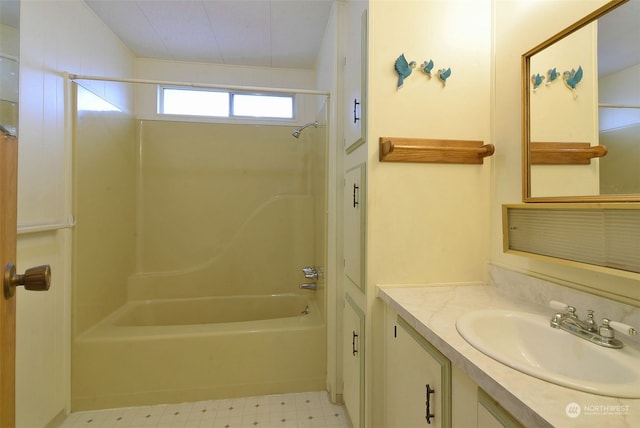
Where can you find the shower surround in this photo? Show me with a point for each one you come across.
(185, 210)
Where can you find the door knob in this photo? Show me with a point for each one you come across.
(36, 279)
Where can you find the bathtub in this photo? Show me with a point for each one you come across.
(212, 310)
(176, 350)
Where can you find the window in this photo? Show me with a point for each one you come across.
(194, 102)
(216, 103)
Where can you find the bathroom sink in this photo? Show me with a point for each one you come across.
(527, 343)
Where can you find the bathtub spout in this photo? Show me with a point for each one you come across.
(309, 286)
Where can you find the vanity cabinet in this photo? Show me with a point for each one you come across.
(420, 381)
(492, 415)
(417, 378)
(353, 361)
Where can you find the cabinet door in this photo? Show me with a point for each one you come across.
(417, 379)
(354, 225)
(353, 362)
(354, 76)
(492, 415)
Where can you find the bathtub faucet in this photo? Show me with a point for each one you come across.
(309, 286)
(310, 272)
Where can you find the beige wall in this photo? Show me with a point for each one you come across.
(427, 223)
(223, 209)
(104, 246)
(56, 36)
(408, 204)
(560, 115)
(518, 27)
(619, 172)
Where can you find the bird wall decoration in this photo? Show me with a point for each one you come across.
(427, 66)
(404, 69)
(443, 75)
(536, 80)
(552, 74)
(572, 78)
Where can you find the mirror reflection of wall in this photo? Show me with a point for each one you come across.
(9, 53)
(604, 110)
(559, 115)
(619, 98)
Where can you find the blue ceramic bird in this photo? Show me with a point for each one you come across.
(427, 66)
(552, 74)
(404, 69)
(443, 75)
(572, 78)
(536, 80)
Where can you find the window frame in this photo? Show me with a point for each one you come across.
(231, 114)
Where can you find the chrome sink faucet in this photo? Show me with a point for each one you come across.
(602, 335)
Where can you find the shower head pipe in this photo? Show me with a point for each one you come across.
(296, 132)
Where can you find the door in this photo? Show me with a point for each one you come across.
(38, 278)
(8, 232)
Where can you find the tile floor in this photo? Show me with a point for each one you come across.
(298, 410)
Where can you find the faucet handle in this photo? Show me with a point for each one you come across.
(605, 330)
(571, 311)
(623, 328)
(559, 305)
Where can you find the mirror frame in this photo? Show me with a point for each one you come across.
(526, 123)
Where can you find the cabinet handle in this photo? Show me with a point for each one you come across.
(428, 404)
(355, 194)
(355, 110)
(353, 344)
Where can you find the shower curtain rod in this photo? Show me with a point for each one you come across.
(199, 85)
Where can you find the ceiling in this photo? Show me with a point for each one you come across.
(277, 33)
(263, 33)
(619, 38)
(271, 33)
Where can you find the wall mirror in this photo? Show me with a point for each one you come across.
(9, 65)
(581, 110)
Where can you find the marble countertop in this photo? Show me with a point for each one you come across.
(433, 311)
